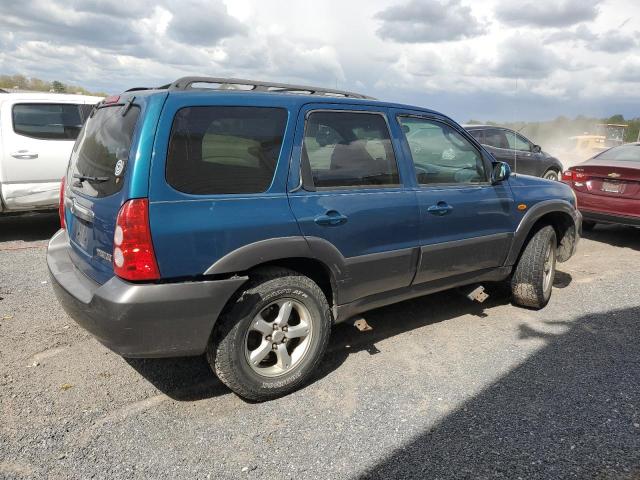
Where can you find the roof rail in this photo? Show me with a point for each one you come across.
(186, 83)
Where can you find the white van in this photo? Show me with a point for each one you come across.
(37, 133)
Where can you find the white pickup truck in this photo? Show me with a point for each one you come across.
(37, 133)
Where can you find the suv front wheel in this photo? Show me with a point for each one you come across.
(271, 339)
(533, 276)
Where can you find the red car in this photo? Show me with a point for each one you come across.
(607, 186)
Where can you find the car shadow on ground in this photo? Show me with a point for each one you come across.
(184, 379)
(28, 227)
(570, 411)
(616, 235)
(190, 379)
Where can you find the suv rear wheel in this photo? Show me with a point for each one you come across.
(533, 277)
(551, 174)
(271, 339)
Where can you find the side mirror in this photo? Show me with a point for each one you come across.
(536, 149)
(501, 172)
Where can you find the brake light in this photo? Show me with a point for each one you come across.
(61, 204)
(112, 99)
(133, 255)
(573, 176)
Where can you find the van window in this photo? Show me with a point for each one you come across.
(347, 149)
(47, 121)
(104, 140)
(224, 150)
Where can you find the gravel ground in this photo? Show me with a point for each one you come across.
(441, 388)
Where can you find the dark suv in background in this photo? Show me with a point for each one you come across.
(522, 155)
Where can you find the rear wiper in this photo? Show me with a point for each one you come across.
(83, 178)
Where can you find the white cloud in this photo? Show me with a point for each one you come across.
(547, 13)
(427, 21)
(460, 56)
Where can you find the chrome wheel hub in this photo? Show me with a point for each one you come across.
(278, 338)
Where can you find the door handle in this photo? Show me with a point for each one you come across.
(331, 218)
(440, 209)
(82, 212)
(24, 155)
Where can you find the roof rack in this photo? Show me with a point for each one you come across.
(186, 83)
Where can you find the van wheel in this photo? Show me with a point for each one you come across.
(269, 342)
(533, 277)
(551, 174)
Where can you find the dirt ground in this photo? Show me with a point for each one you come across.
(440, 388)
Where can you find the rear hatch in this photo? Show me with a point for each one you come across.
(96, 186)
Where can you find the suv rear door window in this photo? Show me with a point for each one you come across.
(478, 135)
(104, 140)
(48, 121)
(349, 149)
(224, 150)
(496, 138)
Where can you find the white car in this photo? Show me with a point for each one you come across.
(37, 133)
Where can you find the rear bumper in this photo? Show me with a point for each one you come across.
(600, 217)
(139, 320)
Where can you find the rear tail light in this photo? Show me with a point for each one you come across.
(133, 255)
(573, 176)
(61, 204)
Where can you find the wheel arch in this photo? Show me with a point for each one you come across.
(557, 213)
(313, 257)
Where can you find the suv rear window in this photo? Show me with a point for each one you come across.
(104, 140)
(49, 121)
(224, 150)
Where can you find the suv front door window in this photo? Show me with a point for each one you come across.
(522, 158)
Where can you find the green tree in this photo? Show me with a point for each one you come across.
(58, 87)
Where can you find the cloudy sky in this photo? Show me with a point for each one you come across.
(481, 59)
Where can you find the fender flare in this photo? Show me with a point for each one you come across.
(531, 217)
(282, 248)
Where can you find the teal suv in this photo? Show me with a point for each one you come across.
(241, 219)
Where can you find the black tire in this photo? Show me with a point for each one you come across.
(587, 226)
(528, 284)
(551, 174)
(226, 352)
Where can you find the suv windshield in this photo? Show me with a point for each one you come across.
(103, 144)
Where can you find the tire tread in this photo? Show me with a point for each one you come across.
(528, 278)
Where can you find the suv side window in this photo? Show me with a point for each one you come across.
(349, 149)
(224, 150)
(478, 135)
(440, 154)
(496, 138)
(49, 121)
(518, 142)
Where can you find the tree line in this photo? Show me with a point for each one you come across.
(21, 82)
